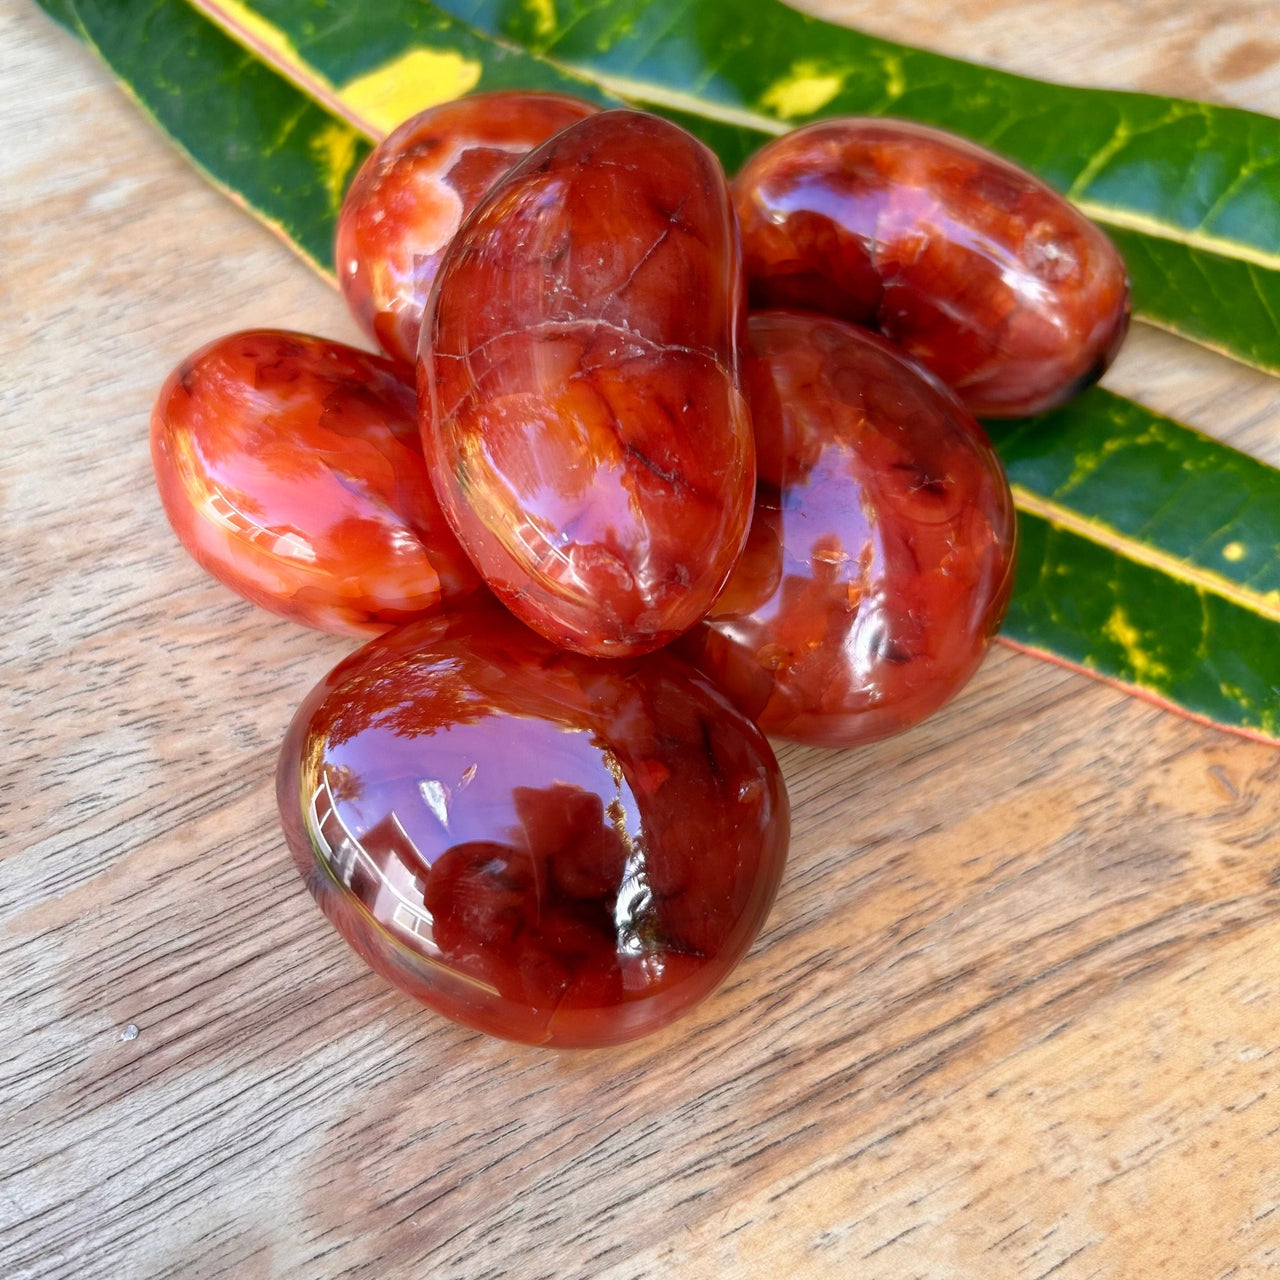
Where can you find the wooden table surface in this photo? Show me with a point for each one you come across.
(1016, 1012)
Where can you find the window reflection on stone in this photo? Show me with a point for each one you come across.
(569, 890)
(383, 870)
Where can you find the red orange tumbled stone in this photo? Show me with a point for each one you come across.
(291, 468)
(414, 190)
(547, 847)
(976, 269)
(579, 376)
(881, 554)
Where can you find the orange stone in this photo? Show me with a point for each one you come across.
(881, 554)
(976, 269)
(580, 403)
(291, 468)
(413, 192)
(547, 847)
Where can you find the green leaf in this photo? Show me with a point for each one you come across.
(1150, 553)
(1203, 511)
(1189, 190)
(268, 146)
(1169, 638)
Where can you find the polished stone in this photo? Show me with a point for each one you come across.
(547, 847)
(581, 407)
(881, 553)
(413, 192)
(976, 269)
(291, 468)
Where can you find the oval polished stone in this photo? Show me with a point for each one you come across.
(413, 192)
(881, 554)
(976, 269)
(546, 847)
(291, 468)
(581, 410)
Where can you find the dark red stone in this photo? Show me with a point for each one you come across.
(581, 410)
(413, 192)
(881, 554)
(291, 468)
(546, 847)
(977, 270)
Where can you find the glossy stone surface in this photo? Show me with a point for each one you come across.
(581, 408)
(414, 190)
(979, 271)
(547, 847)
(291, 468)
(881, 554)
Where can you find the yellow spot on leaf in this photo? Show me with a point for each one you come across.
(411, 83)
(1090, 460)
(1234, 552)
(335, 148)
(895, 79)
(806, 89)
(1148, 670)
(544, 16)
(1234, 693)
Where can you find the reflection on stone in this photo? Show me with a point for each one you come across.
(584, 423)
(607, 852)
(976, 269)
(880, 559)
(291, 468)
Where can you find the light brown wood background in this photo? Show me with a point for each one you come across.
(1016, 1013)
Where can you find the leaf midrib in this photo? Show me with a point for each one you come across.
(298, 72)
(1203, 241)
(1265, 605)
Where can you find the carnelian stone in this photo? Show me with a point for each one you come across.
(413, 192)
(547, 847)
(978, 270)
(881, 554)
(291, 468)
(581, 409)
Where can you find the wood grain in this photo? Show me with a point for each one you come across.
(1016, 1012)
